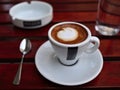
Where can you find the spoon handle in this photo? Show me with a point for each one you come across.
(17, 78)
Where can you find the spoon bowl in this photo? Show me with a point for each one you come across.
(25, 47)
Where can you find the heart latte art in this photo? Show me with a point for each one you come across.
(67, 34)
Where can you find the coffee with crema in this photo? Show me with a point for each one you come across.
(69, 33)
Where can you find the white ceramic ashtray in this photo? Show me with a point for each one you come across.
(30, 15)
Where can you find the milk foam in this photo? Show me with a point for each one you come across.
(67, 34)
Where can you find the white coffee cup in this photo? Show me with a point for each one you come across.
(69, 54)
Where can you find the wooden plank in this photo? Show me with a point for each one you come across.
(75, 7)
(60, 6)
(75, 16)
(60, 16)
(32, 79)
(4, 18)
(10, 47)
(10, 31)
(110, 48)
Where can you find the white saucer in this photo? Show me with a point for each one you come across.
(87, 68)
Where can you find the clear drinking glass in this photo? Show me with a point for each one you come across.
(108, 17)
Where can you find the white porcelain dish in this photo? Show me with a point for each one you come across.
(30, 15)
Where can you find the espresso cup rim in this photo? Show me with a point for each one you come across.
(69, 45)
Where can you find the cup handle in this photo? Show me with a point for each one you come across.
(94, 47)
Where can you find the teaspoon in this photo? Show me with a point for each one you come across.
(25, 47)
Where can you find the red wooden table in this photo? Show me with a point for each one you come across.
(83, 11)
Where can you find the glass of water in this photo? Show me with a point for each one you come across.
(108, 17)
